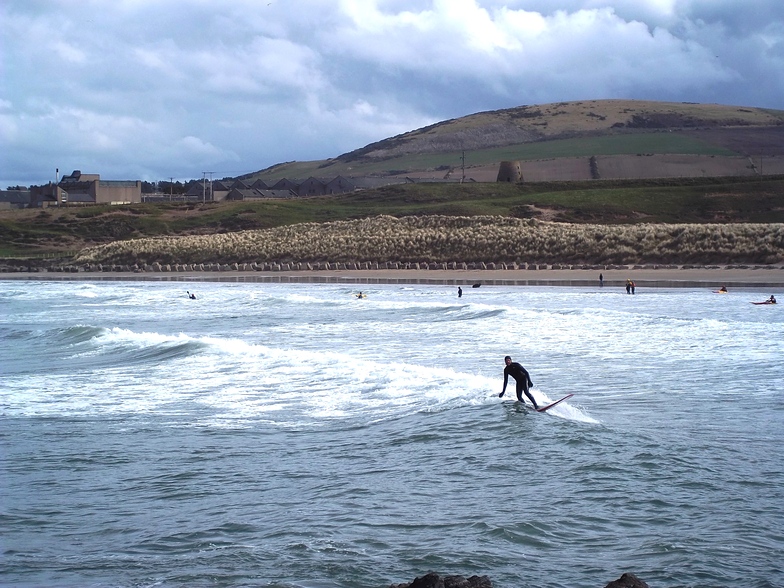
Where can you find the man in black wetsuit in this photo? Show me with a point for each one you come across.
(522, 378)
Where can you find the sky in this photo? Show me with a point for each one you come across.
(160, 89)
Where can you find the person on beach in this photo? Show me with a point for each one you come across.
(459, 292)
(601, 280)
(522, 378)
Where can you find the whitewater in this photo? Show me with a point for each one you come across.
(293, 435)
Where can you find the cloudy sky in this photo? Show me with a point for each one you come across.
(153, 89)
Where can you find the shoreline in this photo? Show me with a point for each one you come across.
(766, 277)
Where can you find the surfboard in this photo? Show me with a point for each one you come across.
(549, 406)
(766, 302)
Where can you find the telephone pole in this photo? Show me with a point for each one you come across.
(204, 186)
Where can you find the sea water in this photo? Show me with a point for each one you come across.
(292, 435)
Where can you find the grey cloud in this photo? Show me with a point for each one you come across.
(161, 89)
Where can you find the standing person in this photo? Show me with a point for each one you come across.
(628, 286)
(522, 378)
(601, 280)
(459, 292)
(633, 286)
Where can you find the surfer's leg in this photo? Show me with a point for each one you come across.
(519, 388)
(527, 393)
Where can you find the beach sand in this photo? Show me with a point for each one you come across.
(758, 277)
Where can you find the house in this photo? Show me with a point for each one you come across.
(240, 185)
(254, 194)
(208, 191)
(339, 185)
(286, 184)
(15, 199)
(312, 187)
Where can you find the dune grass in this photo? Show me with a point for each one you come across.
(460, 239)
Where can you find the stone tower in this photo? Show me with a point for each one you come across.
(510, 171)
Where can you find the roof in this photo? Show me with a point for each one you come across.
(15, 196)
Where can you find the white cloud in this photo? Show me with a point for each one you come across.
(162, 88)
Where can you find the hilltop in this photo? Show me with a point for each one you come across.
(678, 140)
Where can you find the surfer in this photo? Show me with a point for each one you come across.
(191, 296)
(772, 299)
(723, 289)
(459, 292)
(522, 378)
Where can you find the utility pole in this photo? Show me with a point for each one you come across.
(212, 196)
(463, 167)
(204, 186)
(171, 189)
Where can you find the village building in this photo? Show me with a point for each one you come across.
(84, 189)
(311, 187)
(339, 185)
(254, 194)
(15, 199)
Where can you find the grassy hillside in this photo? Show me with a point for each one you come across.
(730, 200)
(570, 129)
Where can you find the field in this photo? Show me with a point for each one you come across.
(554, 131)
(61, 232)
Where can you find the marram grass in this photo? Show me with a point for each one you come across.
(461, 239)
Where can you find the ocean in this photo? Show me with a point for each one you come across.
(292, 435)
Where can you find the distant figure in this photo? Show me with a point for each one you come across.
(628, 286)
(633, 286)
(361, 295)
(723, 289)
(522, 378)
(601, 280)
(191, 296)
(459, 292)
(772, 299)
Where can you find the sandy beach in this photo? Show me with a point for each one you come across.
(758, 277)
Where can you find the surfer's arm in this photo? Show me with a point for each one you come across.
(506, 380)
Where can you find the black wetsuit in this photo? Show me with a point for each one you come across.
(523, 380)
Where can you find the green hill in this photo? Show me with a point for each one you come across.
(561, 130)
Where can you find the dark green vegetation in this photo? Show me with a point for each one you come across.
(36, 232)
(619, 144)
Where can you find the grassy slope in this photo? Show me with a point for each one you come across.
(573, 129)
(26, 232)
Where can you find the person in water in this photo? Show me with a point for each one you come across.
(723, 289)
(191, 296)
(772, 299)
(522, 378)
(459, 292)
